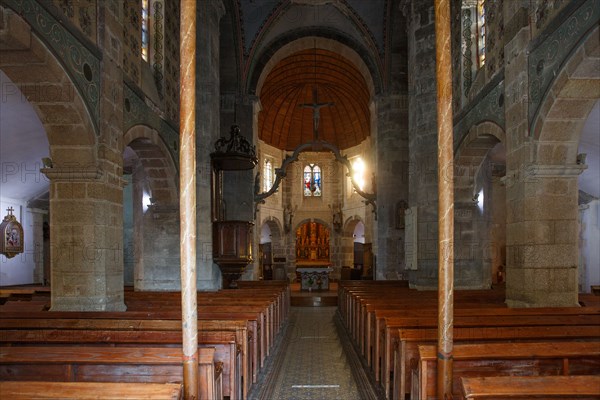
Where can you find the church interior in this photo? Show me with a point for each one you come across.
(280, 182)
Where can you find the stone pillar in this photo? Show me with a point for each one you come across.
(392, 183)
(422, 141)
(86, 249)
(36, 252)
(86, 201)
(541, 200)
(207, 133)
(542, 234)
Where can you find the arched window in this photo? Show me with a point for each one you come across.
(481, 33)
(312, 180)
(358, 167)
(145, 28)
(267, 175)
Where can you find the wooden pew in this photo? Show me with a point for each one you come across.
(406, 349)
(532, 387)
(373, 319)
(105, 364)
(391, 326)
(510, 359)
(229, 337)
(226, 355)
(28, 390)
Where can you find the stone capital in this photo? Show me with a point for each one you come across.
(74, 174)
(554, 171)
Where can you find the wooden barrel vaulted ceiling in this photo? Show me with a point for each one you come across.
(284, 124)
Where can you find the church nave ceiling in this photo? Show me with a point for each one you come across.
(287, 119)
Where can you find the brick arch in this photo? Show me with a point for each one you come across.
(575, 90)
(41, 78)
(157, 162)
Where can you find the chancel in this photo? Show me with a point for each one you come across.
(255, 199)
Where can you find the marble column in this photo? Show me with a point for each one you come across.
(187, 197)
(446, 199)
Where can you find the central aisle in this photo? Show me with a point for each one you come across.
(310, 362)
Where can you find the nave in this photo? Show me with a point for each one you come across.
(314, 360)
(378, 343)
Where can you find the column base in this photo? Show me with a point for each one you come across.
(86, 304)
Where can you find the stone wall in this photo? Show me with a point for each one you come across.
(392, 185)
(207, 132)
(422, 139)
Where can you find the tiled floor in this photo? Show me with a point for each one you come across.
(310, 362)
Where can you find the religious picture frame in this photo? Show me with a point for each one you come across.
(12, 236)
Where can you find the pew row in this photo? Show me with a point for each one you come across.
(406, 350)
(106, 364)
(532, 387)
(504, 359)
(28, 390)
(229, 337)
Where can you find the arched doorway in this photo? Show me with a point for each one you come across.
(480, 207)
(150, 213)
(589, 203)
(25, 190)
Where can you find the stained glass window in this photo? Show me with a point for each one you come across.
(267, 175)
(145, 34)
(481, 33)
(312, 183)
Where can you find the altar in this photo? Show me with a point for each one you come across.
(314, 278)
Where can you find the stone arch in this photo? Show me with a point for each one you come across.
(277, 248)
(157, 162)
(478, 249)
(277, 235)
(347, 245)
(151, 267)
(350, 225)
(39, 75)
(558, 125)
(327, 224)
(471, 153)
(275, 225)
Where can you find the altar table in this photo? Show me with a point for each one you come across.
(314, 278)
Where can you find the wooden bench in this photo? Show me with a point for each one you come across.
(531, 387)
(406, 350)
(28, 390)
(106, 364)
(226, 355)
(391, 326)
(228, 337)
(510, 359)
(374, 316)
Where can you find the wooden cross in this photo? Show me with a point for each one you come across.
(316, 106)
